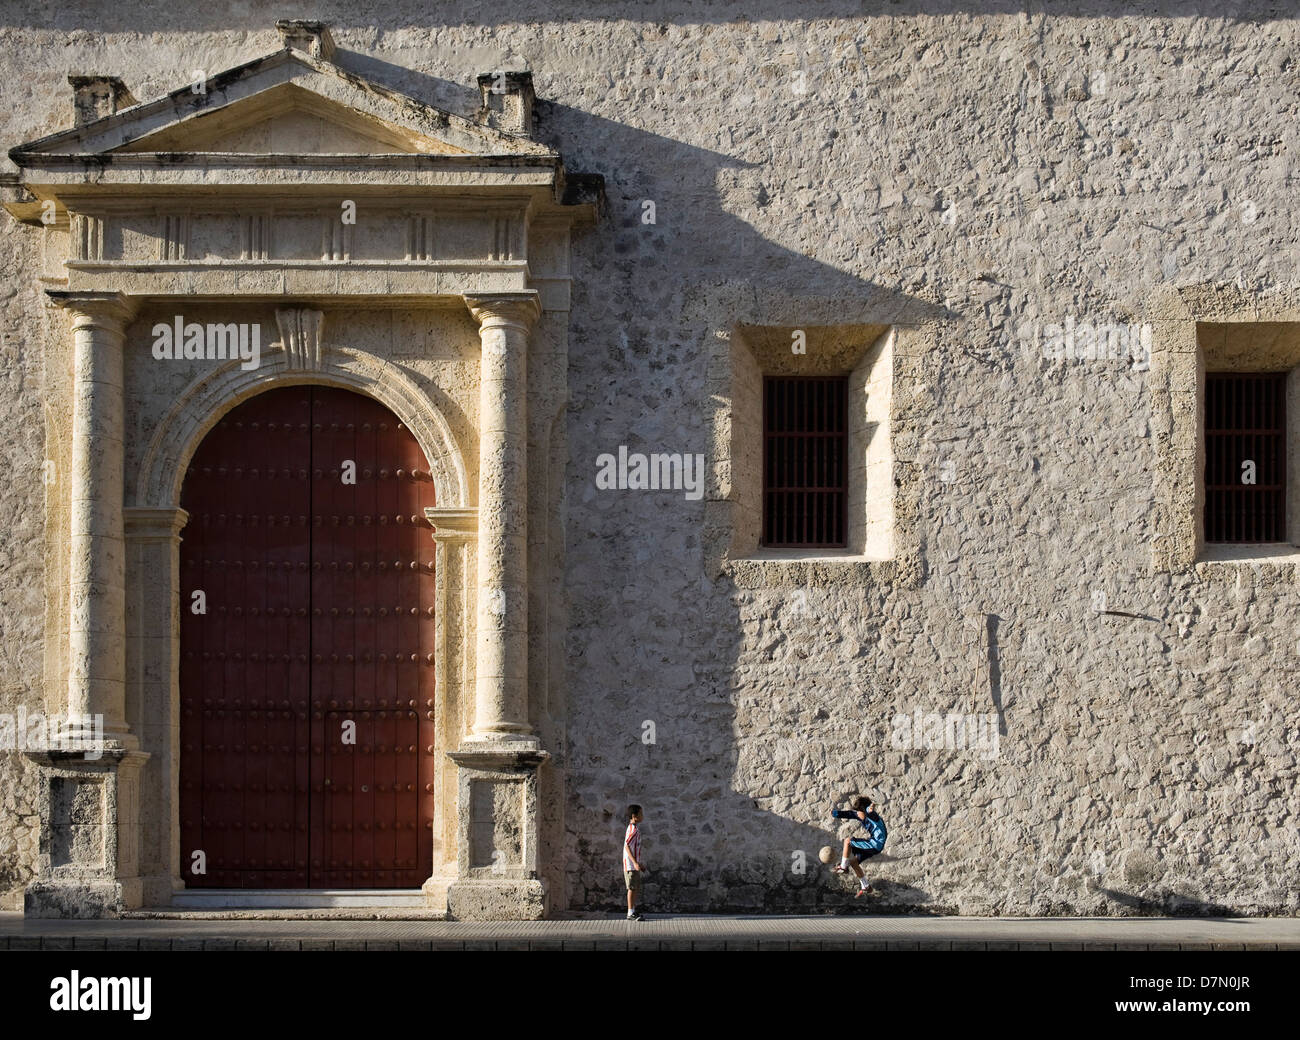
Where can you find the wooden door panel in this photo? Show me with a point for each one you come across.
(320, 595)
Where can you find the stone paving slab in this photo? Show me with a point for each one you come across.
(694, 932)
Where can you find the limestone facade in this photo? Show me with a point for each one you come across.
(606, 241)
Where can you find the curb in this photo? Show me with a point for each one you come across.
(64, 943)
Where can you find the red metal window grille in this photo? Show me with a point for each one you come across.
(805, 461)
(1245, 440)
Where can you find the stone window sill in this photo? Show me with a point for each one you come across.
(807, 556)
(1276, 554)
(793, 569)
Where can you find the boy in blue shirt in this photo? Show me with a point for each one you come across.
(863, 847)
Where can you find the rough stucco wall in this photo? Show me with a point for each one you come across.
(22, 552)
(997, 170)
(1143, 762)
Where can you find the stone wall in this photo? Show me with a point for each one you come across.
(980, 173)
(32, 431)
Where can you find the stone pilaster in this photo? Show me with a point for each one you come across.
(154, 599)
(455, 532)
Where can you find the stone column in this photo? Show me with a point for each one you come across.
(501, 686)
(97, 561)
(88, 863)
(497, 763)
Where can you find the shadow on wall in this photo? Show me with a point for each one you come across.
(701, 269)
(711, 879)
(732, 274)
(1170, 903)
(991, 622)
(756, 281)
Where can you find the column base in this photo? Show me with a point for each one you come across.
(508, 741)
(158, 889)
(88, 860)
(496, 856)
(85, 898)
(498, 899)
(91, 745)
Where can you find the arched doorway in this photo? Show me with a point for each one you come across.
(307, 642)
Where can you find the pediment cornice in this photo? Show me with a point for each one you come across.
(290, 175)
(184, 122)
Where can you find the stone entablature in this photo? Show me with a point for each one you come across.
(337, 227)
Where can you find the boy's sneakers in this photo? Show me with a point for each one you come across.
(864, 890)
(635, 917)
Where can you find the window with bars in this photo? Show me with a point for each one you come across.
(1245, 456)
(805, 461)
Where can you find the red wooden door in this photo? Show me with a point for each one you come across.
(307, 596)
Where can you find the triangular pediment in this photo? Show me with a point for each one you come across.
(290, 120)
(288, 103)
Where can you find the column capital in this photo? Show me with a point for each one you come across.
(520, 309)
(452, 522)
(104, 309)
(143, 524)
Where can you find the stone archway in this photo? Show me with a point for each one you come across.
(206, 400)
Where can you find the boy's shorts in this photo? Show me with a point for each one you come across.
(633, 879)
(862, 851)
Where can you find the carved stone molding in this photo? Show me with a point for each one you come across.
(199, 406)
(452, 522)
(310, 37)
(300, 334)
(154, 525)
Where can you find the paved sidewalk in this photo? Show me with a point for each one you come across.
(667, 932)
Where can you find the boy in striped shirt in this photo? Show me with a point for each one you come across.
(632, 861)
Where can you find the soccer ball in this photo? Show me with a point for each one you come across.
(827, 854)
